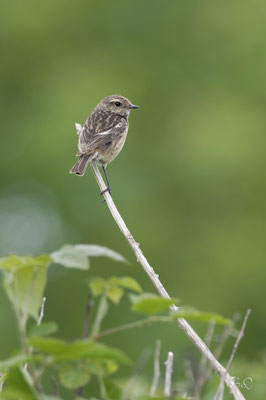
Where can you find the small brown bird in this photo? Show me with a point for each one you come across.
(103, 134)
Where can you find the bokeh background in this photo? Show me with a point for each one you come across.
(191, 180)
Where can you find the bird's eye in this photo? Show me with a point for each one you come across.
(117, 103)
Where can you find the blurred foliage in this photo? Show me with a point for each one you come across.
(190, 181)
(78, 361)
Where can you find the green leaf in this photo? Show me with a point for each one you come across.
(93, 250)
(98, 286)
(71, 257)
(74, 376)
(79, 349)
(3, 376)
(18, 387)
(126, 282)
(150, 304)
(13, 262)
(76, 256)
(110, 389)
(112, 287)
(110, 366)
(18, 360)
(45, 329)
(192, 314)
(115, 294)
(24, 282)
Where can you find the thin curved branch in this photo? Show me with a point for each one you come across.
(182, 323)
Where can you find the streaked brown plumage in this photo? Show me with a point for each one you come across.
(103, 134)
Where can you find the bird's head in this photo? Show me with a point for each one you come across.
(117, 104)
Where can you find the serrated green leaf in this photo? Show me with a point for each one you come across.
(115, 294)
(74, 376)
(98, 286)
(111, 390)
(93, 250)
(126, 282)
(71, 257)
(150, 304)
(192, 314)
(24, 280)
(18, 360)
(113, 287)
(79, 349)
(45, 329)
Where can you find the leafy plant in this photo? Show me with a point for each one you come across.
(25, 279)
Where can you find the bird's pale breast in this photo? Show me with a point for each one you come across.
(110, 151)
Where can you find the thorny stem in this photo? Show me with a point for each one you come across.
(182, 323)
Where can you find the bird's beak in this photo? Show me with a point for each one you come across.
(132, 106)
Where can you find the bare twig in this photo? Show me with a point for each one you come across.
(219, 393)
(182, 323)
(168, 374)
(228, 330)
(41, 311)
(33, 370)
(241, 334)
(101, 313)
(156, 373)
(55, 386)
(202, 370)
(135, 324)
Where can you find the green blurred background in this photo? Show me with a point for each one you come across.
(190, 181)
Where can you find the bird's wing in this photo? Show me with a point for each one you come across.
(90, 141)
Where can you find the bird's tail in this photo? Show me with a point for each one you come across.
(81, 165)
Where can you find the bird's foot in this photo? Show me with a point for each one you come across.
(108, 189)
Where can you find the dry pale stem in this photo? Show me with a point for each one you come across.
(182, 323)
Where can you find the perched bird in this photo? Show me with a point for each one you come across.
(103, 134)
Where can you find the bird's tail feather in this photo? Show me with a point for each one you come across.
(81, 165)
